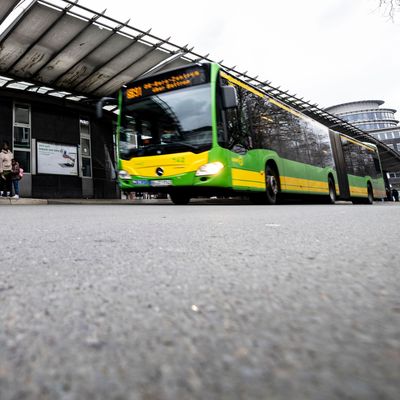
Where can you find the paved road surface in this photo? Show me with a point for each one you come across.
(154, 302)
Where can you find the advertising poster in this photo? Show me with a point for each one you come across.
(59, 159)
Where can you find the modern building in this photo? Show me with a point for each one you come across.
(379, 122)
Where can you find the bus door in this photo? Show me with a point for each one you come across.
(340, 164)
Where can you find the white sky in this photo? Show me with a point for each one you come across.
(327, 51)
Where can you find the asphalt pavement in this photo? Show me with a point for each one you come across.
(156, 301)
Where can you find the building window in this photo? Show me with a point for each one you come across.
(85, 147)
(22, 114)
(22, 135)
(86, 153)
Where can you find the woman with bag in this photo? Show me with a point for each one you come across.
(15, 177)
(5, 170)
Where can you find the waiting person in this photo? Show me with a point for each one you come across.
(15, 177)
(5, 170)
(389, 194)
(395, 195)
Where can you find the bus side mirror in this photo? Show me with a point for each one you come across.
(229, 98)
(101, 103)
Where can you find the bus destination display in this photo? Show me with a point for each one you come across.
(165, 83)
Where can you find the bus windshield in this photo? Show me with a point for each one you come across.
(172, 122)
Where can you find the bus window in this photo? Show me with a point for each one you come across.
(238, 124)
(175, 121)
(326, 154)
(360, 160)
(377, 165)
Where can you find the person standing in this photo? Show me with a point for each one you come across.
(5, 170)
(15, 177)
(395, 195)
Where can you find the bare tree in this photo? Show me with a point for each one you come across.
(390, 7)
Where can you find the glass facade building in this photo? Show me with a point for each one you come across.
(378, 122)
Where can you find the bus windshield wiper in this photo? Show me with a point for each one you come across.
(167, 148)
(146, 150)
(180, 144)
(187, 146)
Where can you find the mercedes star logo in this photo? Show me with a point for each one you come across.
(159, 171)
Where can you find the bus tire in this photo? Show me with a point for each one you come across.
(370, 198)
(180, 198)
(271, 185)
(332, 191)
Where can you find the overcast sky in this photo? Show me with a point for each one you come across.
(327, 51)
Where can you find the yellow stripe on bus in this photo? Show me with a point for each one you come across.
(298, 184)
(243, 177)
(260, 94)
(370, 148)
(358, 191)
(243, 85)
(279, 104)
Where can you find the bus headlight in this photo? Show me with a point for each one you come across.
(210, 169)
(123, 174)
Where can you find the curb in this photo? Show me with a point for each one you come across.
(22, 202)
(122, 202)
(29, 201)
(91, 202)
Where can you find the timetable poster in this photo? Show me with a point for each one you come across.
(58, 159)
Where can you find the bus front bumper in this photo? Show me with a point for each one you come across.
(187, 181)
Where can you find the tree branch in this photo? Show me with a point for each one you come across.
(390, 7)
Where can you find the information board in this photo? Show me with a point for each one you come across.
(58, 159)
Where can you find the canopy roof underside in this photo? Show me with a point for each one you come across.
(63, 49)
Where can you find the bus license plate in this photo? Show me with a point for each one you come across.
(142, 182)
(161, 182)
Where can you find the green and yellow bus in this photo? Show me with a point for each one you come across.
(199, 131)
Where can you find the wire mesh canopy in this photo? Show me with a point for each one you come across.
(63, 49)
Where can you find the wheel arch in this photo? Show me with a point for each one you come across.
(332, 176)
(370, 185)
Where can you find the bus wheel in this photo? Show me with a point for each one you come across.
(332, 191)
(271, 185)
(370, 198)
(179, 198)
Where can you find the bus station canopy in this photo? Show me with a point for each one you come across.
(63, 49)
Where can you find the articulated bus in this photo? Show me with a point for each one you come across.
(198, 131)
